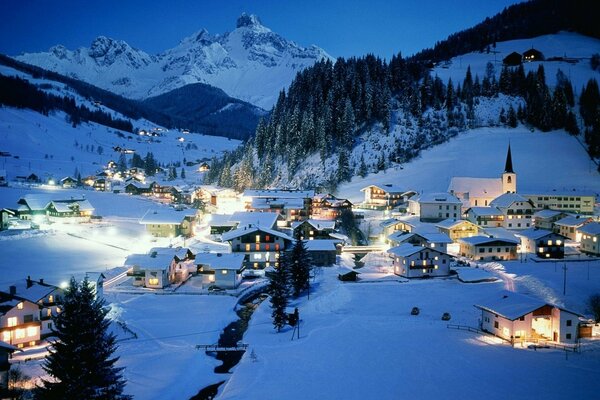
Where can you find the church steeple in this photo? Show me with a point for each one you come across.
(508, 166)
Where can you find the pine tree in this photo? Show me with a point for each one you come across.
(81, 361)
(279, 290)
(122, 163)
(300, 266)
(182, 174)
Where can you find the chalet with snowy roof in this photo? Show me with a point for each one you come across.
(533, 55)
(221, 269)
(167, 222)
(260, 245)
(483, 248)
(569, 226)
(545, 219)
(512, 60)
(154, 270)
(542, 243)
(457, 228)
(569, 201)
(417, 262)
(183, 264)
(485, 217)
(263, 219)
(293, 205)
(516, 209)
(72, 210)
(385, 196)
(435, 207)
(437, 241)
(102, 185)
(32, 205)
(479, 192)
(204, 167)
(139, 188)
(220, 200)
(313, 229)
(323, 253)
(26, 310)
(590, 238)
(517, 318)
(68, 182)
(329, 207)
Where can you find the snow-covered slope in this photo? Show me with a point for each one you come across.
(573, 46)
(251, 63)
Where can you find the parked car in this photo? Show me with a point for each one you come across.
(215, 289)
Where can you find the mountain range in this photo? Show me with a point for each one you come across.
(251, 63)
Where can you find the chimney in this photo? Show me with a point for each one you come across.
(29, 283)
(12, 290)
(41, 281)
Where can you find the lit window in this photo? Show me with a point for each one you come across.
(19, 333)
(224, 271)
(257, 256)
(248, 247)
(549, 242)
(432, 245)
(257, 246)
(257, 238)
(255, 265)
(436, 267)
(49, 312)
(6, 336)
(424, 270)
(153, 281)
(12, 321)
(32, 331)
(51, 299)
(541, 250)
(20, 306)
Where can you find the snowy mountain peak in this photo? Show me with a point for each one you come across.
(248, 21)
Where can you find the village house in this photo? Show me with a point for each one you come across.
(437, 241)
(485, 217)
(569, 226)
(519, 318)
(68, 182)
(386, 196)
(260, 245)
(479, 192)
(512, 60)
(435, 207)
(313, 229)
(170, 223)
(223, 270)
(33, 206)
(545, 219)
(293, 205)
(590, 238)
(542, 243)
(138, 188)
(324, 252)
(417, 262)
(154, 270)
(102, 185)
(390, 225)
(457, 228)
(73, 210)
(329, 207)
(516, 209)
(573, 201)
(219, 200)
(26, 311)
(533, 55)
(483, 248)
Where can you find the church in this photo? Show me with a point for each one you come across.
(479, 192)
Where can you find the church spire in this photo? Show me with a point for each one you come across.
(508, 168)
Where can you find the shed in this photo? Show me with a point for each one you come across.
(513, 59)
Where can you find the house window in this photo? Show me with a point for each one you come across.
(267, 247)
(28, 318)
(248, 247)
(12, 321)
(496, 324)
(6, 336)
(481, 250)
(153, 281)
(267, 238)
(224, 272)
(276, 246)
(20, 306)
(19, 333)
(257, 238)
(568, 336)
(50, 299)
(522, 318)
(569, 322)
(257, 246)
(32, 331)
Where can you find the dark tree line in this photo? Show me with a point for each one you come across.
(17, 92)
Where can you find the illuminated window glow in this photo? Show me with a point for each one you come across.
(32, 331)
(20, 306)
(153, 281)
(224, 271)
(6, 336)
(19, 333)
(12, 321)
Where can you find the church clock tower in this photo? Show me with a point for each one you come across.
(509, 178)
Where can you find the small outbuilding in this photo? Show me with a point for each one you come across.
(512, 60)
(533, 55)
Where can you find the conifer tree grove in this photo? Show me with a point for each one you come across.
(279, 290)
(300, 265)
(81, 364)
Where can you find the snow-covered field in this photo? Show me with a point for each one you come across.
(359, 341)
(542, 161)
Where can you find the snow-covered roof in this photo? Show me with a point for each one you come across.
(479, 240)
(429, 237)
(233, 261)
(485, 211)
(442, 198)
(140, 185)
(340, 236)
(36, 202)
(399, 236)
(321, 245)
(388, 222)
(315, 223)
(221, 220)
(498, 232)
(279, 193)
(507, 199)
(33, 291)
(166, 216)
(511, 305)
(179, 252)
(563, 193)
(247, 229)
(451, 223)
(150, 261)
(285, 203)
(262, 219)
(387, 187)
(533, 233)
(572, 221)
(593, 228)
(476, 187)
(546, 214)
(407, 249)
(67, 205)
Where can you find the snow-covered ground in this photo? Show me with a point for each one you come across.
(563, 44)
(359, 341)
(542, 161)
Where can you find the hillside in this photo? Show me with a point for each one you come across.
(251, 63)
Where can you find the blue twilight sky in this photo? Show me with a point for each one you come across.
(341, 27)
